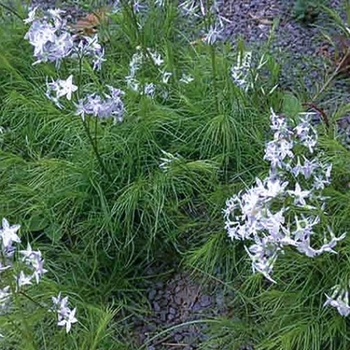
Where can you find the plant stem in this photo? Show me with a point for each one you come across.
(333, 75)
(27, 332)
(95, 149)
(215, 87)
(10, 9)
(207, 24)
(32, 300)
(93, 141)
(129, 11)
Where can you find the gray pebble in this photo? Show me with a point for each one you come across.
(220, 299)
(163, 316)
(151, 294)
(159, 296)
(205, 300)
(188, 348)
(196, 307)
(178, 300)
(159, 285)
(156, 306)
(178, 337)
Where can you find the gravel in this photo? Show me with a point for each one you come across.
(295, 45)
(174, 304)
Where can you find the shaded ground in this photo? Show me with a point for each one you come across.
(177, 306)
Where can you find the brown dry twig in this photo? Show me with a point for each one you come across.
(319, 110)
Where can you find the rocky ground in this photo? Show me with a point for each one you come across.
(177, 301)
(178, 306)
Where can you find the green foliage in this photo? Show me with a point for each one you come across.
(306, 11)
(95, 199)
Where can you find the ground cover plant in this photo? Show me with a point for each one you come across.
(137, 135)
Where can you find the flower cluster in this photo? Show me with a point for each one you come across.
(90, 47)
(167, 160)
(66, 316)
(137, 61)
(24, 270)
(200, 10)
(264, 214)
(60, 88)
(339, 299)
(53, 41)
(32, 267)
(148, 88)
(47, 34)
(109, 106)
(240, 72)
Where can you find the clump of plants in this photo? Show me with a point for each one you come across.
(307, 11)
(119, 152)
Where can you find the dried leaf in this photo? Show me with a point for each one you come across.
(89, 24)
(261, 20)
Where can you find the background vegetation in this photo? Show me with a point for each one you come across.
(98, 229)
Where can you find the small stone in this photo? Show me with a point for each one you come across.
(178, 300)
(170, 317)
(205, 300)
(196, 307)
(172, 311)
(156, 306)
(220, 299)
(163, 316)
(178, 337)
(159, 296)
(151, 294)
(159, 285)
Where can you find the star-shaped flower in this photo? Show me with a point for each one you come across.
(9, 233)
(68, 320)
(299, 195)
(66, 87)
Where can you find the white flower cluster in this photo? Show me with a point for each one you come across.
(30, 266)
(66, 316)
(59, 88)
(53, 41)
(264, 214)
(137, 61)
(110, 106)
(200, 10)
(240, 72)
(339, 299)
